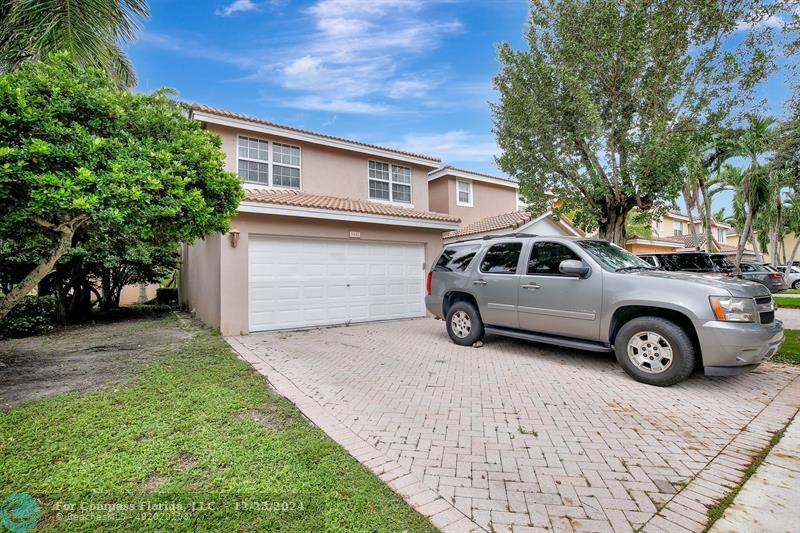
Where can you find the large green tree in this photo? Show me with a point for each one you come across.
(79, 154)
(92, 31)
(603, 106)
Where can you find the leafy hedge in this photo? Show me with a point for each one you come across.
(34, 315)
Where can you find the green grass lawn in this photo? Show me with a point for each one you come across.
(790, 303)
(791, 291)
(790, 352)
(198, 428)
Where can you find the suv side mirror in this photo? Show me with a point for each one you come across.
(573, 267)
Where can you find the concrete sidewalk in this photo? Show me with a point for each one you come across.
(770, 500)
(789, 317)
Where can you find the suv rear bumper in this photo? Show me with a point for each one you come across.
(729, 348)
(434, 305)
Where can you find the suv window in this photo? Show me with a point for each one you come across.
(690, 262)
(502, 258)
(547, 256)
(649, 258)
(456, 258)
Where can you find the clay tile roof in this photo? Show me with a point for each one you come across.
(498, 222)
(504, 221)
(238, 116)
(318, 201)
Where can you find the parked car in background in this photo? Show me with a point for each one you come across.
(792, 277)
(698, 262)
(589, 294)
(763, 274)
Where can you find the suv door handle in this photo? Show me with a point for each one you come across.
(531, 286)
(479, 282)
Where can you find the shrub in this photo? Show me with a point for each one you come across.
(34, 315)
(167, 296)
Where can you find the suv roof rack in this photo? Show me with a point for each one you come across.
(501, 236)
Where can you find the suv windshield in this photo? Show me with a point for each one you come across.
(613, 257)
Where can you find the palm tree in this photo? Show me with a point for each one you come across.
(752, 142)
(92, 31)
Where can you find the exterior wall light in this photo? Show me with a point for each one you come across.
(234, 237)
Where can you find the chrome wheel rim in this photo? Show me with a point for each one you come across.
(650, 352)
(461, 324)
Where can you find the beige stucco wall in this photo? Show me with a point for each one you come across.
(215, 278)
(439, 196)
(200, 279)
(330, 171)
(130, 293)
(487, 199)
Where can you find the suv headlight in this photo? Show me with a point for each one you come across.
(730, 309)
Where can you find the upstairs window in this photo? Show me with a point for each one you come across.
(721, 236)
(464, 193)
(677, 228)
(269, 163)
(389, 183)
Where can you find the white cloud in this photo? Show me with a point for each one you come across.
(335, 105)
(452, 146)
(356, 52)
(192, 48)
(409, 88)
(237, 6)
(773, 21)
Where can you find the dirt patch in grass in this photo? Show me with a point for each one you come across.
(83, 357)
(274, 418)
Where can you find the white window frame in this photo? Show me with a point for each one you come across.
(677, 226)
(469, 202)
(270, 162)
(391, 181)
(722, 235)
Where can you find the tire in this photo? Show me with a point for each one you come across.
(664, 351)
(464, 324)
(796, 284)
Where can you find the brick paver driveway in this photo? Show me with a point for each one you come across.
(515, 435)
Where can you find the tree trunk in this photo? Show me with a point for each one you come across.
(790, 260)
(612, 226)
(756, 247)
(707, 215)
(30, 281)
(743, 237)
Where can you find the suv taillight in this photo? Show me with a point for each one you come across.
(428, 283)
(775, 275)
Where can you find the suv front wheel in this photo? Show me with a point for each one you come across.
(655, 351)
(464, 324)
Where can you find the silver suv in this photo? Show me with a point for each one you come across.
(592, 295)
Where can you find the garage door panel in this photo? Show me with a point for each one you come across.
(309, 282)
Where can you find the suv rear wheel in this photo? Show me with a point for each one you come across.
(655, 351)
(464, 324)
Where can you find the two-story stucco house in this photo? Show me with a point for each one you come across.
(331, 231)
(488, 204)
(672, 233)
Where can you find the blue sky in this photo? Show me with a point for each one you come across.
(414, 74)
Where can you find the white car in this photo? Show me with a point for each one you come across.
(792, 279)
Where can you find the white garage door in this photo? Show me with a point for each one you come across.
(298, 282)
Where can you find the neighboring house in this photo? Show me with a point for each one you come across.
(520, 221)
(331, 231)
(471, 196)
(672, 233)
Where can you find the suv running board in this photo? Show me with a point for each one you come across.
(566, 342)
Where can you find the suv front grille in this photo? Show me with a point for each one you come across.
(766, 310)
